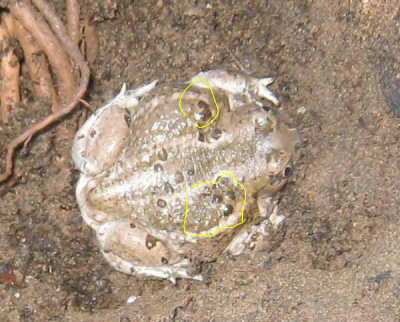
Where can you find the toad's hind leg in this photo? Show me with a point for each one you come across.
(100, 140)
(132, 250)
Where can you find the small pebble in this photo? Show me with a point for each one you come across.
(131, 299)
(301, 110)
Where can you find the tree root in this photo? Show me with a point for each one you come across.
(9, 70)
(31, 20)
(91, 42)
(37, 64)
(26, 14)
(73, 20)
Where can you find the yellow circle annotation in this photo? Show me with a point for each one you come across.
(222, 174)
(206, 82)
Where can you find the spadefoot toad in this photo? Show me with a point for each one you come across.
(170, 177)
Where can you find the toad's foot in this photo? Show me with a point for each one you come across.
(254, 237)
(237, 84)
(263, 91)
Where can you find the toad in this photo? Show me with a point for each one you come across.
(167, 178)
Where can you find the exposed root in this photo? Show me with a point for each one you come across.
(87, 105)
(10, 94)
(91, 41)
(59, 29)
(58, 58)
(73, 20)
(37, 64)
(9, 23)
(9, 70)
(25, 13)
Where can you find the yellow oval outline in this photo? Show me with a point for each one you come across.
(222, 174)
(208, 84)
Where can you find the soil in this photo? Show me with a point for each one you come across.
(336, 258)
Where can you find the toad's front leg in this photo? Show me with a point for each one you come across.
(253, 236)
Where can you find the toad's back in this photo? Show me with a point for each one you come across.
(167, 152)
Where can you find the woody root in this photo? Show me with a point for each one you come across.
(56, 58)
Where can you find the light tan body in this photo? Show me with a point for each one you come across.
(140, 160)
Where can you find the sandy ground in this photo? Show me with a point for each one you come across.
(336, 258)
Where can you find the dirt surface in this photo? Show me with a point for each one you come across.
(336, 258)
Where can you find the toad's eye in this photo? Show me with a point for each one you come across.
(202, 116)
(204, 112)
(216, 134)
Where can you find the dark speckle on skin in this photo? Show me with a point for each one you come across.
(227, 209)
(168, 188)
(216, 134)
(216, 199)
(163, 154)
(92, 133)
(158, 167)
(190, 172)
(127, 119)
(288, 172)
(151, 241)
(231, 195)
(161, 203)
(201, 137)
